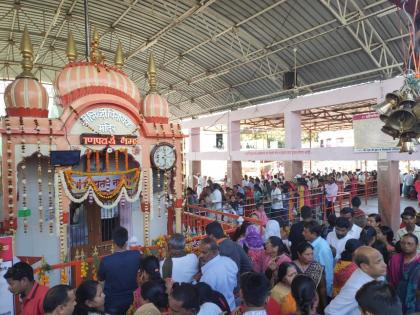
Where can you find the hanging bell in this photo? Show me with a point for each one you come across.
(384, 118)
(407, 146)
(402, 119)
(408, 99)
(390, 131)
(391, 101)
(416, 110)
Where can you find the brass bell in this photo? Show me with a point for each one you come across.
(402, 119)
(390, 131)
(391, 101)
(416, 110)
(408, 99)
(407, 146)
(384, 118)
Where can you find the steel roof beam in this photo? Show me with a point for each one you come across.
(320, 83)
(52, 24)
(364, 34)
(267, 51)
(281, 72)
(197, 8)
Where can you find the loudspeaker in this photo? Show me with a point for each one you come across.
(65, 158)
(219, 140)
(289, 80)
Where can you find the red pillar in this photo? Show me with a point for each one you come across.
(389, 193)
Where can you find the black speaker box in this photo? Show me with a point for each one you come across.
(65, 158)
(289, 80)
(219, 140)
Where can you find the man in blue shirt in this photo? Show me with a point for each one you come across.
(218, 272)
(322, 251)
(119, 272)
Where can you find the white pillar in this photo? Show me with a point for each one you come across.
(234, 168)
(293, 140)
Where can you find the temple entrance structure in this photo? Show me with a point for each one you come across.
(110, 159)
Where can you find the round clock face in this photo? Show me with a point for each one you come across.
(163, 156)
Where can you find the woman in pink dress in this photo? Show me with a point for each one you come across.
(260, 214)
(417, 187)
(253, 245)
(275, 254)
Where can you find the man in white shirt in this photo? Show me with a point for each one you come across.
(338, 238)
(245, 181)
(216, 198)
(371, 267)
(408, 182)
(331, 191)
(361, 178)
(179, 266)
(277, 202)
(200, 185)
(355, 230)
(409, 219)
(219, 272)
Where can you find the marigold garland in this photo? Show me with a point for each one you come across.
(43, 277)
(128, 183)
(84, 267)
(63, 277)
(132, 197)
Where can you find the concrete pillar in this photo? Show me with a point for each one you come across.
(195, 166)
(292, 168)
(234, 168)
(293, 140)
(389, 193)
(292, 130)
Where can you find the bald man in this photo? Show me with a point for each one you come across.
(371, 267)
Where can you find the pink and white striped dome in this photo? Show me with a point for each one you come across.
(26, 97)
(155, 108)
(78, 79)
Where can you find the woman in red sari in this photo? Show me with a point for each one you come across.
(345, 266)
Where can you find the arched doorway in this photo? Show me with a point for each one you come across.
(90, 225)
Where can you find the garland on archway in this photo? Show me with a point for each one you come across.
(79, 186)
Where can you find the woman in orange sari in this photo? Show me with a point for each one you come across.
(281, 300)
(345, 266)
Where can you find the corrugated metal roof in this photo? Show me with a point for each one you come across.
(217, 54)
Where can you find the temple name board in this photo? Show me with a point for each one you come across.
(95, 139)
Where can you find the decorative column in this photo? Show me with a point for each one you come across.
(292, 141)
(234, 168)
(195, 166)
(389, 193)
(178, 216)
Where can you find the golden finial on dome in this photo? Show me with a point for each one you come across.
(27, 55)
(95, 54)
(119, 56)
(151, 72)
(71, 50)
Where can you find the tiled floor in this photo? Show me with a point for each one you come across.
(372, 205)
